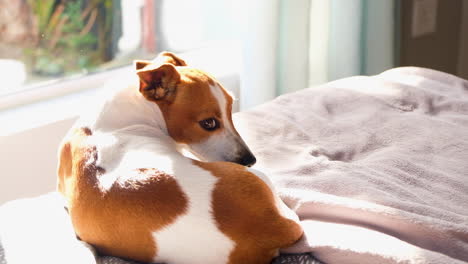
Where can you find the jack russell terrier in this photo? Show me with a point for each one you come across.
(131, 193)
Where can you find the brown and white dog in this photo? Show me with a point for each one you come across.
(131, 193)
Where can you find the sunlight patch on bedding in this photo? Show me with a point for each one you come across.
(358, 240)
(366, 85)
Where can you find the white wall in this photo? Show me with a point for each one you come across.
(28, 160)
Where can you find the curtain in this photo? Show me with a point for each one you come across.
(286, 45)
(290, 45)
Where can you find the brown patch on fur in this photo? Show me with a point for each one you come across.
(87, 131)
(65, 165)
(174, 89)
(118, 221)
(183, 112)
(163, 58)
(158, 83)
(245, 210)
(140, 64)
(168, 57)
(211, 82)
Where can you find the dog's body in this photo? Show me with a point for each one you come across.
(131, 193)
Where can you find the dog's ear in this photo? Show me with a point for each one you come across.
(158, 82)
(140, 64)
(168, 57)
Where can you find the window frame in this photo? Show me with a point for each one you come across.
(58, 87)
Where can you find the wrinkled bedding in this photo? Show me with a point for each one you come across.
(38, 230)
(375, 167)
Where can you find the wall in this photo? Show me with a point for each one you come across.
(430, 34)
(28, 160)
(463, 59)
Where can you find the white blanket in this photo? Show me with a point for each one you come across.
(376, 167)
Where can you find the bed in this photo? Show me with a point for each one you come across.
(375, 167)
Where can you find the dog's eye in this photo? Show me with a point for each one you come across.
(209, 124)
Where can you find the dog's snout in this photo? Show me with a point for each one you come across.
(247, 160)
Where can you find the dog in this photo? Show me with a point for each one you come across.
(131, 193)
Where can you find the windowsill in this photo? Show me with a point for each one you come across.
(31, 109)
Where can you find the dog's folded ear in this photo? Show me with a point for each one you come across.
(168, 57)
(157, 81)
(140, 64)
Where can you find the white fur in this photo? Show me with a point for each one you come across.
(127, 153)
(194, 237)
(222, 145)
(122, 106)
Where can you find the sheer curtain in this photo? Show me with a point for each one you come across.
(284, 45)
(290, 45)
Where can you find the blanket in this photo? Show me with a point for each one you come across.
(375, 167)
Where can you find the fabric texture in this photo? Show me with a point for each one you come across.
(38, 230)
(375, 167)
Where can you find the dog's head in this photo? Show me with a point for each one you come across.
(196, 109)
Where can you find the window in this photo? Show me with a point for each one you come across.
(48, 41)
(52, 39)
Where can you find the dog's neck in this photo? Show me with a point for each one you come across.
(128, 110)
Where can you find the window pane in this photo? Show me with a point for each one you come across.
(51, 39)
(55, 39)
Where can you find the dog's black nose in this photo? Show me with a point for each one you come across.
(247, 160)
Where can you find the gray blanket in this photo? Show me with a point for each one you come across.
(375, 167)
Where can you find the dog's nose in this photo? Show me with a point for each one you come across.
(248, 160)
